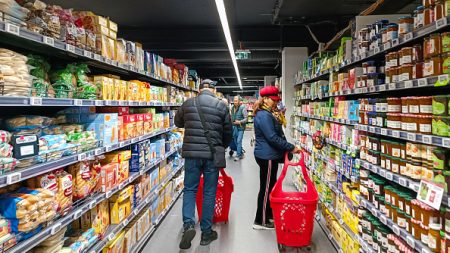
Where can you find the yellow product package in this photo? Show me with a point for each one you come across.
(116, 245)
(105, 86)
(120, 51)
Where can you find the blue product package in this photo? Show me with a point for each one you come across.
(106, 133)
(153, 156)
(154, 209)
(137, 161)
(103, 118)
(147, 153)
(148, 62)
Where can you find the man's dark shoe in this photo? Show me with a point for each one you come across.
(231, 153)
(188, 236)
(208, 238)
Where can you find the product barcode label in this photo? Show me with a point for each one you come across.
(411, 137)
(396, 134)
(13, 178)
(392, 86)
(410, 241)
(402, 181)
(408, 84)
(382, 87)
(408, 36)
(383, 173)
(77, 102)
(389, 175)
(70, 48)
(35, 101)
(423, 82)
(376, 50)
(121, 144)
(109, 148)
(441, 23)
(11, 28)
(48, 41)
(395, 42)
(142, 103)
(97, 57)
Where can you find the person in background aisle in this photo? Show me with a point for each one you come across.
(199, 158)
(270, 146)
(239, 117)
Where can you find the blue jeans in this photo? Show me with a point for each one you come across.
(194, 168)
(238, 135)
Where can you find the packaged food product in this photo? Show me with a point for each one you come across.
(108, 176)
(83, 179)
(129, 126)
(64, 194)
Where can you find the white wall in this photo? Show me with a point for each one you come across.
(292, 59)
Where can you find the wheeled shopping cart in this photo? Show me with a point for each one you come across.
(294, 211)
(225, 188)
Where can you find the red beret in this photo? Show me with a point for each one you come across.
(271, 92)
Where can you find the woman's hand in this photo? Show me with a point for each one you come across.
(296, 150)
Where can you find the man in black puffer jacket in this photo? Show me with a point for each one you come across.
(199, 158)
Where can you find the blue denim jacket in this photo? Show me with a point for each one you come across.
(270, 141)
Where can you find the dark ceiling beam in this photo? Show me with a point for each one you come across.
(220, 60)
(276, 11)
(212, 49)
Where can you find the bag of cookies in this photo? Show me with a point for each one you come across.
(64, 194)
(82, 177)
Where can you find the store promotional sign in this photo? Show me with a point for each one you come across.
(430, 194)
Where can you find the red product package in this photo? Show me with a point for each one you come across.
(121, 110)
(139, 124)
(108, 176)
(129, 126)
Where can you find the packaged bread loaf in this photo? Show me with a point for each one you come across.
(64, 194)
(47, 205)
(21, 210)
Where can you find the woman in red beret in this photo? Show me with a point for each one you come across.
(270, 146)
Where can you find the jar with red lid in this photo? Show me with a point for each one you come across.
(425, 123)
(414, 105)
(394, 104)
(413, 125)
(396, 74)
(405, 104)
(407, 72)
(426, 105)
(394, 56)
(394, 120)
(439, 10)
(406, 55)
(432, 66)
(428, 3)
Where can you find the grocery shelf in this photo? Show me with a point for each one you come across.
(410, 240)
(341, 121)
(332, 142)
(77, 212)
(21, 37)
(137, 248)
(387, 47)
(113, 230)
(327, 232)
(39, 169)
(420, 138)
(426, 82)
(38, 101)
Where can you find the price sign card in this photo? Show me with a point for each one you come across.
(430, 194)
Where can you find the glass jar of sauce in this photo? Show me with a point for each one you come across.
(434, 237)
(405, 25)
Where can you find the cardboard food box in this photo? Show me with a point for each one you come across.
(121, 48)
(112, 26)
(120, 110)
(108, 176)
(139, 124)
(129, 126)
(120, 205)
(106, 85)
(148, 123)
(117, 156)
(124, 171)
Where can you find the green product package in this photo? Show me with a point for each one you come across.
(440, 125)
(439, 105)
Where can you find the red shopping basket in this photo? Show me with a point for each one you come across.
(225, 188)
(294, 211)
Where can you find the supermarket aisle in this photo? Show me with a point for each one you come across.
(237, 235)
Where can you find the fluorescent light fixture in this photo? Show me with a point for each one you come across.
(226, 30)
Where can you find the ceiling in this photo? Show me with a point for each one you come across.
(190, 30)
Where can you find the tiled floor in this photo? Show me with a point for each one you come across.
(237, 236)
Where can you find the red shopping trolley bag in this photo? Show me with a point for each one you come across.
(294, 211)
(225, 188)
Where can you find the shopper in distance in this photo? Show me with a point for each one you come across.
(239, 117)
(207, 123)
(270, 147)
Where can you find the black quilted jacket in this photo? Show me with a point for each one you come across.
(217, 117)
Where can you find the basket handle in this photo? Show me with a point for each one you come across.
(279, 184)
(223, 173)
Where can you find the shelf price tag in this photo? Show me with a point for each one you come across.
(411, 137)
(48, 41)
(13, 178)
(77, 102)
(81, 157)
(446, 142)
(387, 46)
(70, 48)
(109, 194)
(376, 50)
(389, 175)
(374, 211)
(92, 204)
(371, 129)
(423, 82)
(408, 36)
(111, 236)
(108, 61)
(426, 139)
(98, 102)
(396, 229)
(441, 23)
(97, 57)
(424, 250)
(87, 54)
(383, 219)
(396, 134)
(382, 87)
(402, 182)
(392, 86)
(408, 84)
(383, 173)
(98, 151)
(77, 214)
(11, 28)
(372, 89)
(410, 241)
(56, 228)
(383, 131)
(136, 212)
(395, 42)
(35, 101)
